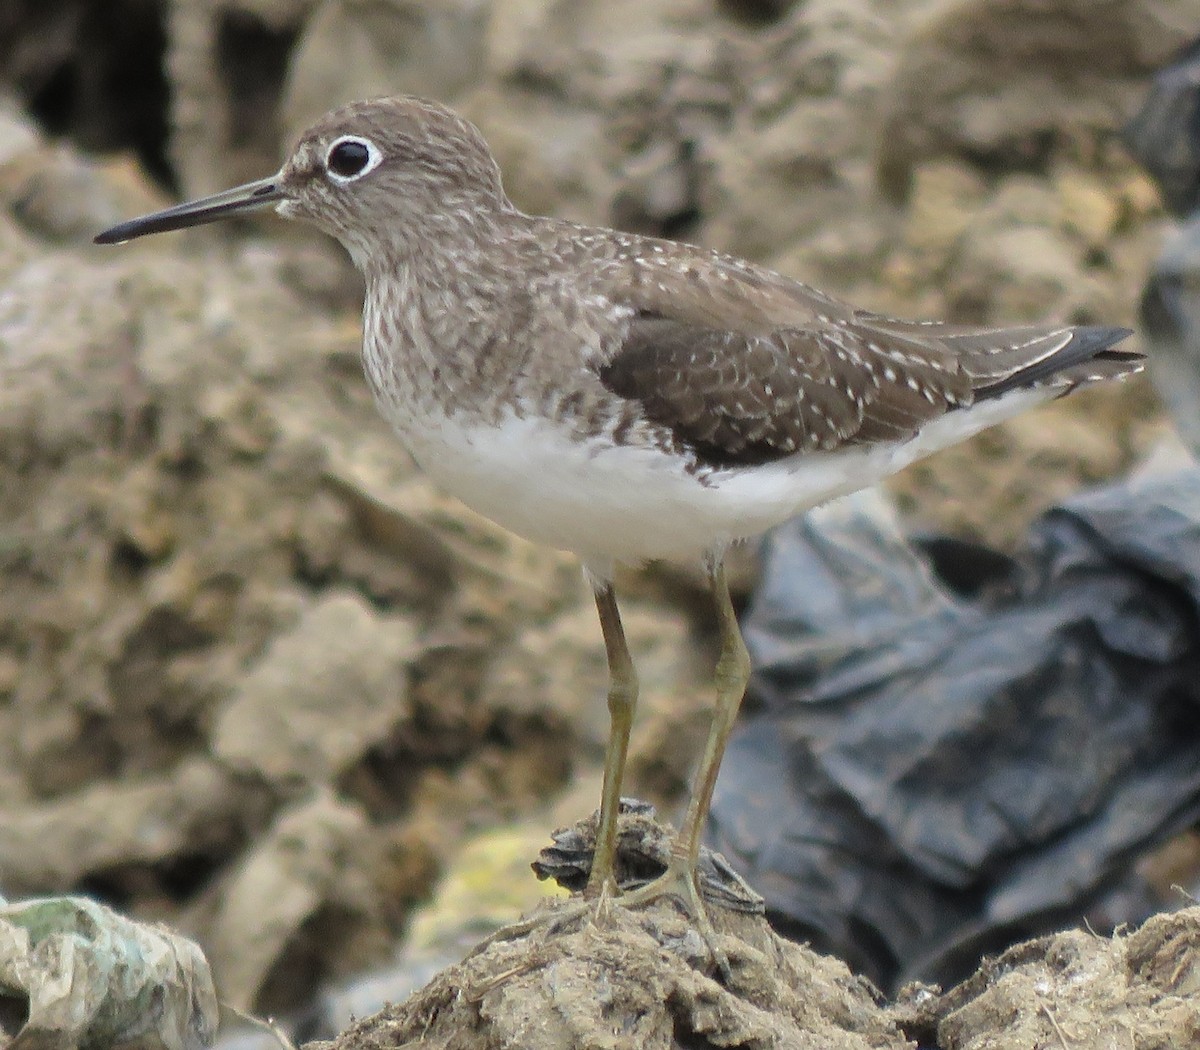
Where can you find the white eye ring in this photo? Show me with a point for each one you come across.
(369, 164)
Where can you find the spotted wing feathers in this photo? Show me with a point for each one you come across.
(738, 399)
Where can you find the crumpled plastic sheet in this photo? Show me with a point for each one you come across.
(1170, 323)
(1165, 137)
(92, 978)
(947, 750)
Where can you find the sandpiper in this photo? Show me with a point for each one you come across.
(622, 397)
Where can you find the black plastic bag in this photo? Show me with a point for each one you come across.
(927, 773)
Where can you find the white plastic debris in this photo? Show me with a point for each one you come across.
(93, 978)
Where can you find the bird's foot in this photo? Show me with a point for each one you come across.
(681, 883)
(593, 904)
(551, 920)
(650, 864)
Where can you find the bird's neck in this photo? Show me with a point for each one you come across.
(431, 311)
(434, 282)
(450, 252)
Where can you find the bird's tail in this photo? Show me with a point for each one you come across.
(1061, 358)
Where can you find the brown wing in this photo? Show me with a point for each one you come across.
(740, 399)
(745, 366)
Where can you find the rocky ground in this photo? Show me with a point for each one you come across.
(639, 981)
(257, 678)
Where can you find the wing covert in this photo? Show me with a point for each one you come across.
(740, 399)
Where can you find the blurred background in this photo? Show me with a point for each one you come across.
(257, 678)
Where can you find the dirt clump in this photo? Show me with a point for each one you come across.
(1136, 989)
(641, 978)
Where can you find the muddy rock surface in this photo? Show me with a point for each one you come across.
(643, 978)
(259, 680)
(1137, 989)
(639, 978)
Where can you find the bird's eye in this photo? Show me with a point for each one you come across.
(351, 158)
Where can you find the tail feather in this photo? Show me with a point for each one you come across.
(1112, 364)
(1065, 357)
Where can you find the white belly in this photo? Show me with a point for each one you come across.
(616, 503)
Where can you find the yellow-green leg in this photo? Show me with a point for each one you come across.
(679, 880)
(732, 675)
(622, 700)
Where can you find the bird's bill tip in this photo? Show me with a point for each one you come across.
(250, 197)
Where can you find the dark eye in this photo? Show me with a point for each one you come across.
(348, 158)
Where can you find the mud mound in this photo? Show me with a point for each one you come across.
(644, 977)
(635, 978)
(1138, 989)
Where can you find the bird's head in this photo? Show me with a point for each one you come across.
(369, 173)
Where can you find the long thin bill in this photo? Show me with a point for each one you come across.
(250, 197)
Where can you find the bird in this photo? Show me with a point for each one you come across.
(623, 397)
